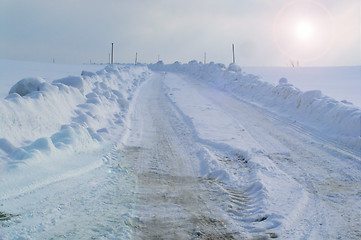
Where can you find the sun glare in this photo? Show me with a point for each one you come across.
(303, 30)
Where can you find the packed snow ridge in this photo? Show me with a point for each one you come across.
(336, 120)
(75, 113)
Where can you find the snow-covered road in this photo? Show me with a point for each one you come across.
(327, 204)
(172, 200)
(265, 176)
(193, 163)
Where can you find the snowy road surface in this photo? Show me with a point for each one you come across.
(173, 203)
(321, 199)
(196, 163)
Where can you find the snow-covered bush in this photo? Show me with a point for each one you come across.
(27, 86)
(283, 80)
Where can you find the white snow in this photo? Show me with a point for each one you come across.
(11, 71)
(248, 168)
(340, 83)
(321, 113)
(285, 168)
(73, 114)
(256, 153)
(27, 86)
(234, 68)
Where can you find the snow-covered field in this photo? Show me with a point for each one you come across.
(180, 151)
(11, 71)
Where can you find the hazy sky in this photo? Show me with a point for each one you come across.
(77, 31)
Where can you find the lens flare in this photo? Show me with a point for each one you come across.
(303, 30)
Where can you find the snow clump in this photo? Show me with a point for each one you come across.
(234, 68)
(283, 80)
(27, 86)
(72, 81)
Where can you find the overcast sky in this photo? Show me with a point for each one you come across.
(77, 31)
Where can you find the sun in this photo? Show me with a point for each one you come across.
(304, 30)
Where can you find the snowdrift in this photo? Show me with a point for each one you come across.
(335, 119)
(75, 113)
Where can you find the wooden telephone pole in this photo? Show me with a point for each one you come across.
(234, 58)
(112, 59)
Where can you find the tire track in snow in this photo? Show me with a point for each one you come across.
(96, 204)
(324, 173)
(173, 202)
(48, 181)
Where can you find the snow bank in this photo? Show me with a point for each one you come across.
(75, 113)
(338, 82)
(311, 108)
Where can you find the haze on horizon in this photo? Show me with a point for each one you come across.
(265, 33)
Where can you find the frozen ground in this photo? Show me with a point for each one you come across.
(177, 152)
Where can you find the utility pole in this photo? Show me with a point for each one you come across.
(205, 57)
(158, 57)
(234, 59)
(112, 61)
(136, 58)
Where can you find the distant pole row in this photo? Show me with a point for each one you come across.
(233, 56)
(111, 56)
